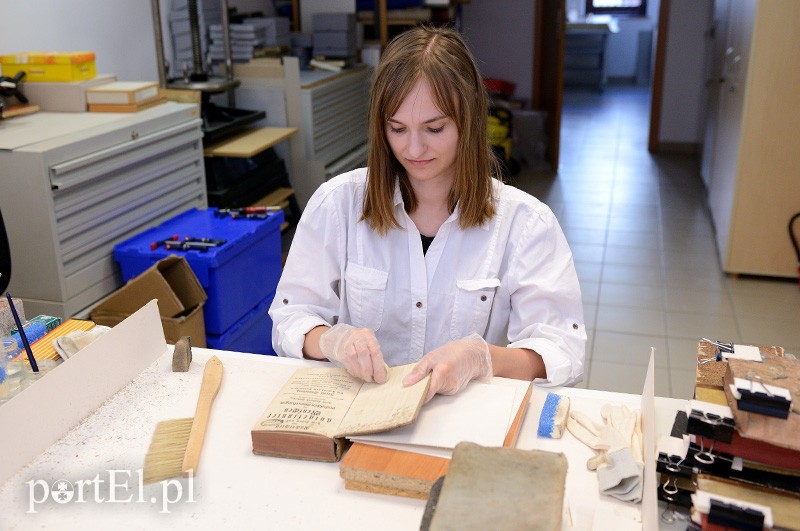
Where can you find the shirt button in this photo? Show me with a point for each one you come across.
(419, 305)
(286, 301)
(574, 326)
(483, 298)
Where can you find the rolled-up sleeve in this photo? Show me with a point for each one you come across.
(307, 295)
(547, 310)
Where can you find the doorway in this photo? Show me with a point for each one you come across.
(626, 55)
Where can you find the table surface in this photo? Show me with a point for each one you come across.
(235, 488)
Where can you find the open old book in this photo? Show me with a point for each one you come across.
(318, 407)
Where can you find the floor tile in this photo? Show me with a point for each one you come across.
(628, 348)
(650, 297)
(626, 378)
(696, 325)
(630, 320)
(682, 384)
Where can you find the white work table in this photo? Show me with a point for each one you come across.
(234, 489)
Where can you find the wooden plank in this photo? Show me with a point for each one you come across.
(249, 143)
(278, 197)
(400, 473)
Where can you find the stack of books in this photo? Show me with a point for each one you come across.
(124, 96)
(733, 457)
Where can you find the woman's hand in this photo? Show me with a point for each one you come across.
(357, 350)
(453, 365)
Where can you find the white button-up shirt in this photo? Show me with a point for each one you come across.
(511, 280)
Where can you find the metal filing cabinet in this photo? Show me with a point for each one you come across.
(72, 185)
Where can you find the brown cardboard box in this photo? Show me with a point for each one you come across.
(180, 300)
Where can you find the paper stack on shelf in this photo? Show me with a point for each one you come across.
(252, 38)
(733, 457)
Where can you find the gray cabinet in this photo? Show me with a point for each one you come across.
(73, 185)
(328, 109)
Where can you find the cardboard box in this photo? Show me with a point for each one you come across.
(50, 66)
(180, 300)
(67, 96)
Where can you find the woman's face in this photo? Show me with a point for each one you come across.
(422, 138)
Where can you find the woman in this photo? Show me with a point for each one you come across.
(423, 256)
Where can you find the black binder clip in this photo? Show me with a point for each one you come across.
(711, 425)
(704, 456)
(759, 399)
(734, 516)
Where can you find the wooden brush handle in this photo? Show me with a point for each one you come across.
(212, 378)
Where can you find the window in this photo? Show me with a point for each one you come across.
(617, 7)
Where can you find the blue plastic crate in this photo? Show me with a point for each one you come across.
(252, 333)
(236, 276)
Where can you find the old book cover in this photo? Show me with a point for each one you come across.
(774, 371)
(318, 407)
(709, 372)
(122, 93)
(134, 107)
(500, 488)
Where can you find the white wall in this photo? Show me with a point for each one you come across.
(120, 32)
(685, 71)
(501, 39)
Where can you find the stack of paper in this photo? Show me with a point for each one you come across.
(250, 38)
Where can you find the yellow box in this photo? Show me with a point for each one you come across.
(50, 66)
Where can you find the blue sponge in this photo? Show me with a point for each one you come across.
(553, 420)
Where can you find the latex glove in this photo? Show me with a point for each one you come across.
(618, 441)
(357, 350)
(453, 365)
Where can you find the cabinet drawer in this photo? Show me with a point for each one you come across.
(101, 164)
(117, 192)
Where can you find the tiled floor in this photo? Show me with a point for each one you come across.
(643, 243)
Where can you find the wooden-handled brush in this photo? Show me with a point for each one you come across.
(176, 445)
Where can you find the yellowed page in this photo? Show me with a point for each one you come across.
(381, 407)
(312, 401)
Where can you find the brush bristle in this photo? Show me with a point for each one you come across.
(164, 458)
(553, 419)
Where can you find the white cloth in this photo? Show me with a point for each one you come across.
(511, 280)
(69, 344)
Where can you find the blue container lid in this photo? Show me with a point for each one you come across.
(237, 233)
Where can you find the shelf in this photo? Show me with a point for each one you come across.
(249, 143)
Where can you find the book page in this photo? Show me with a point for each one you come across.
(381, 407)
(312, 401)
(479, 413)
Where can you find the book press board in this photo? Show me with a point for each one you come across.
(97, 413)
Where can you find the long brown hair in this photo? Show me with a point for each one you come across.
(440, 56)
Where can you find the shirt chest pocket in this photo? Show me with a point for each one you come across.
(365, 289)
(472, 306)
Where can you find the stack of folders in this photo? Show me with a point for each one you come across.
(733, 456)
(123, 96)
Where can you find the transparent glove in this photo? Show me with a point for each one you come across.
(453, 365)
(357, 350)
(618, 441)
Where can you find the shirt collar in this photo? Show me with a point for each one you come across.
(398, 202)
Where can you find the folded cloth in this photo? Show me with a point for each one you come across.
(67, 345)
